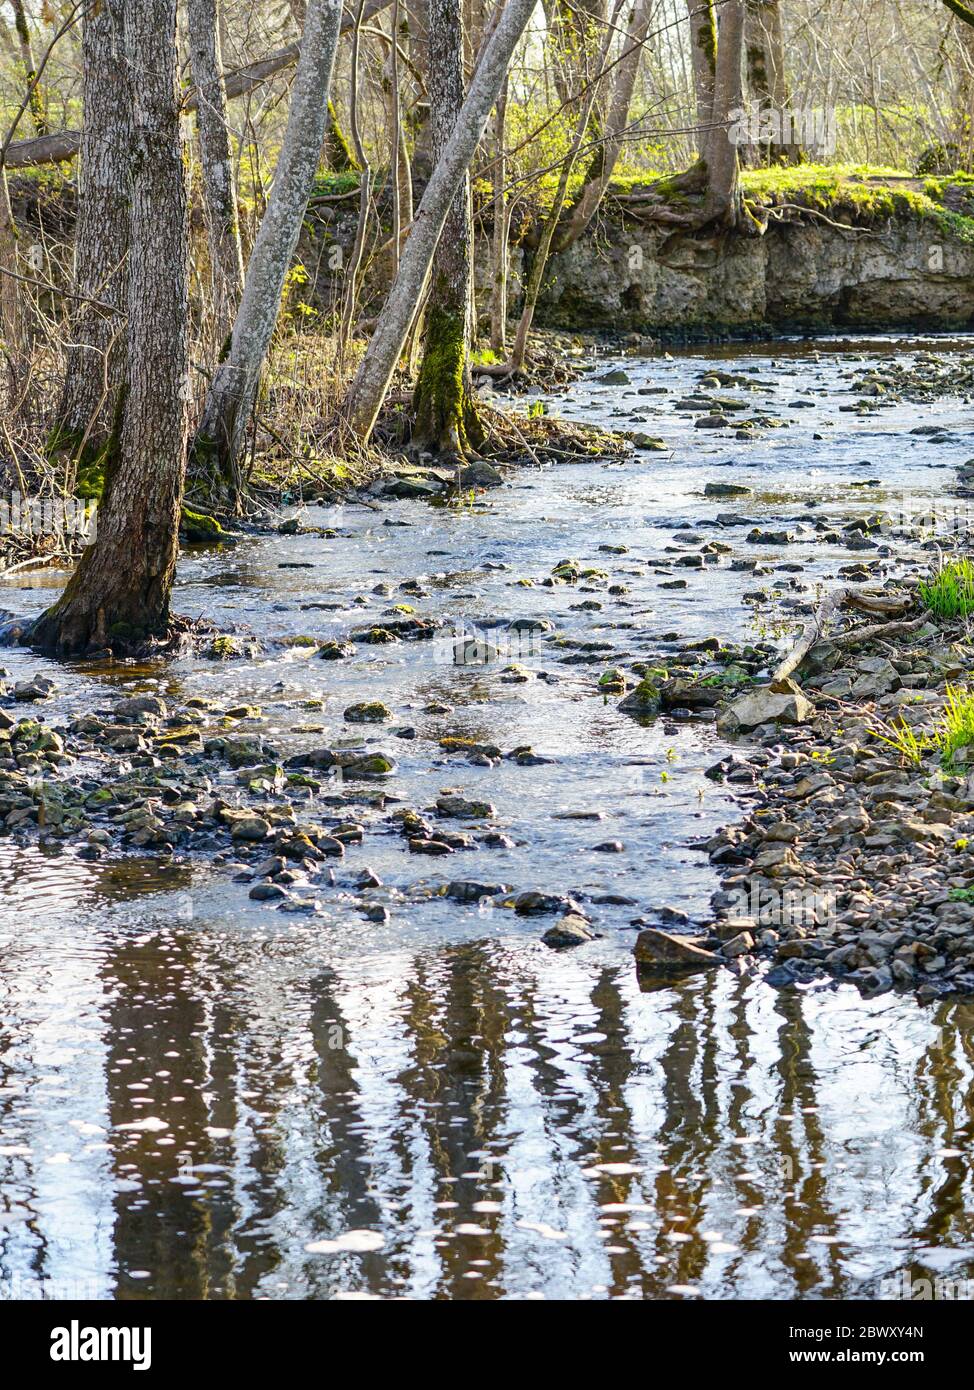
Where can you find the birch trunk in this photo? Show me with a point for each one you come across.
(94, 370)
(219, 192)
(233, 390)
(724, 203)
(368, 390)
(602, 166)
(444, 403)
(120, 593)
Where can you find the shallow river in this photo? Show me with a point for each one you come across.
(202, 1097)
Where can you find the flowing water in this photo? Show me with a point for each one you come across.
(201, 1097)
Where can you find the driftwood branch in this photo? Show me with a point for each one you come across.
(814, 630)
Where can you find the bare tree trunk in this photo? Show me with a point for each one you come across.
(96, 352)
(234, 387)
(444, 403)
(219, 191)
(703, 58)
(36, 99)
(539, 263)
(724, 203)
(9, 292)
(767, 87)
(964, 98)
(120, 593)
(600, 170)
(499, 238)
(368, 390)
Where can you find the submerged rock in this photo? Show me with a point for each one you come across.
(570, 930)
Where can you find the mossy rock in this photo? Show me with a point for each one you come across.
(199, 528)
(225, 648)
(368, 712)
(646, 697)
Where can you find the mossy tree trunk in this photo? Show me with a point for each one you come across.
(9, 294)
(232, 392)
(444, 402)
(120, 592)
(703, 60)
(94, 370)
(35, 101)
(338, 151)
(216, 161)
(767, 86)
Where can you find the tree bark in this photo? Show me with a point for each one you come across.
(444, 403)
(767, 87)
(119, 595)
(96, 352)
(9, 293)
(703, 58)
(367, 392)
(499, 237)
(724, 203)
(234, 387)
(219, 191)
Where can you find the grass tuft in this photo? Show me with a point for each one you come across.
(957, 725)
(950, 593)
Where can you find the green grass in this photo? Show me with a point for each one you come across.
(911, 746)
(957, 725)
(950, 592)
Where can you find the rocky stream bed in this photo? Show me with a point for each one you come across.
(445, 769)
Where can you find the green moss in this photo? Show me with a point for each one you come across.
(864, 194)
(444, 406)
(199, 527)
(223, 649)
(339, 151)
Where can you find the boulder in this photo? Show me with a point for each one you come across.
(661, 951)
(783, 704)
